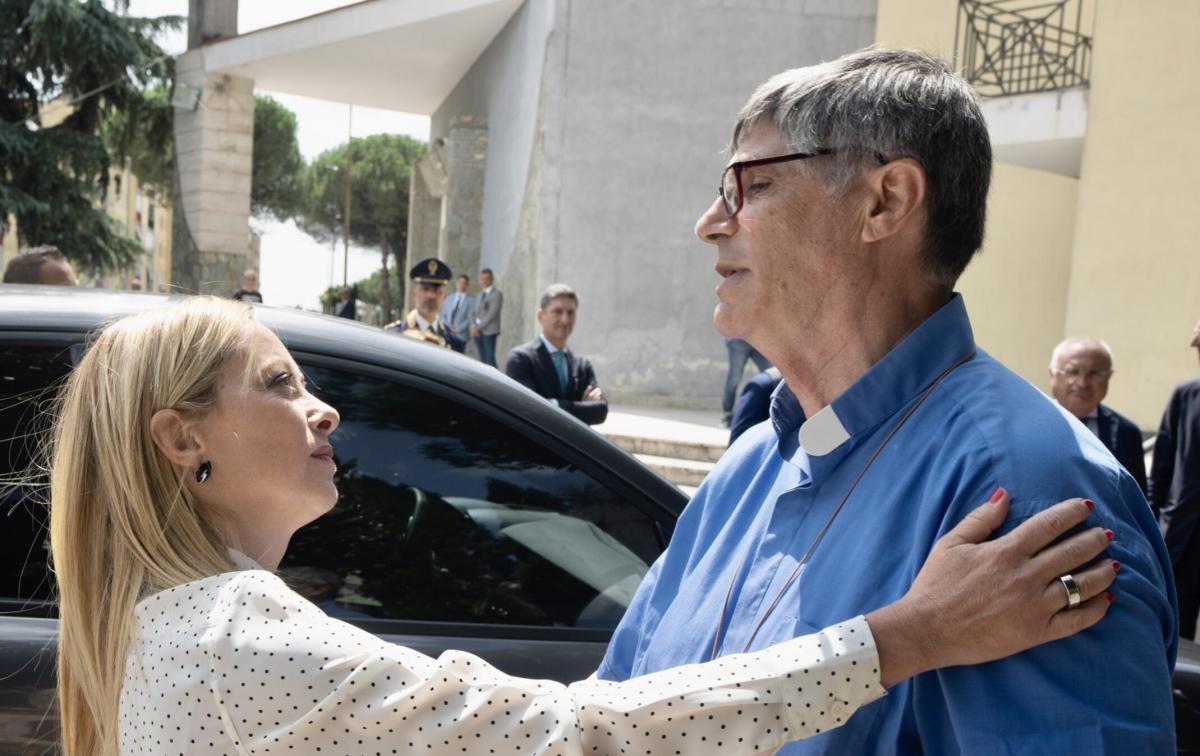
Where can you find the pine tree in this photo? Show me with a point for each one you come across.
(93, 61)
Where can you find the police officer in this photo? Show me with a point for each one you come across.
(429, 277)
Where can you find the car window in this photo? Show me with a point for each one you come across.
(29, 376)
(447, 515)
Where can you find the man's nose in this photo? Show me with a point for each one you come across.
(715, 223)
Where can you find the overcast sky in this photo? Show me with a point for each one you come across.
(296, 269)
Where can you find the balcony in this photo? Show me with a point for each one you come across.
(1031, 62)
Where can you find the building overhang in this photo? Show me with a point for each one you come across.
(404, 55)
(1043, 131)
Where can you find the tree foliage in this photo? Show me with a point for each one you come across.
(276, 183)
(53, 176)
(382, 165)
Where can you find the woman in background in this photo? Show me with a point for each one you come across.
(187, 451)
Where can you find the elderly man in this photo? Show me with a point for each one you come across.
(1079, 371)
(855, 198)
(548, 368)
(423, 322)
(44, 265)
(1175, 491)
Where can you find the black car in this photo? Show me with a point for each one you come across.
(471, 514)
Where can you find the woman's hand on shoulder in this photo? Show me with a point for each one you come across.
(976, 600)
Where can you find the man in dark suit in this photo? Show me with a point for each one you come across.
(1175, 492)
(754, 403)
(553, 371)
(1080, 368)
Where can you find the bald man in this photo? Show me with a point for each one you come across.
(1080, 368)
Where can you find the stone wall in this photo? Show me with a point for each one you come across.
(213, 146)
(638, 102)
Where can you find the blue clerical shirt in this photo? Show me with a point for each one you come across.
(1104, 691)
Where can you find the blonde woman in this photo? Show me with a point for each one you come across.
(187, 451)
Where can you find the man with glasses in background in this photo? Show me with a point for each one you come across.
(1080, 368)
(854, 200)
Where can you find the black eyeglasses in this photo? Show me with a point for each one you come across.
(731, 192)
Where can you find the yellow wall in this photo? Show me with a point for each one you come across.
(1016, 288)
(1110, 254)
(1135, 277)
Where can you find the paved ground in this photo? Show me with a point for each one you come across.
(666, 423)
(680, 444)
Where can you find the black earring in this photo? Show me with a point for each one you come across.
(203, 471)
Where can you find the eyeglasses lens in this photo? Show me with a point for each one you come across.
(729, 190)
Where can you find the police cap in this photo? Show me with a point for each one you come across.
(431, 271)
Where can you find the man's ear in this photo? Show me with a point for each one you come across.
(173, 436)
(896, 194)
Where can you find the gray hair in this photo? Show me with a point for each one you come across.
(555, 291)
(1085, 342)
(898, 104)
(26, 267)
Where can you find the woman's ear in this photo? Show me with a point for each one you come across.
(897, 197)
(173, 436)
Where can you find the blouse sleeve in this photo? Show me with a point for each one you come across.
(286, 678)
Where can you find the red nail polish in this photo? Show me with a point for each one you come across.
(1111, 598)
(1091, 505)
(1116, 566)
(1111, 535)
(996, 495)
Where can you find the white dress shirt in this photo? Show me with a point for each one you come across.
(238, 663)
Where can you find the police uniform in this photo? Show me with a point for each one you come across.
(430, 272)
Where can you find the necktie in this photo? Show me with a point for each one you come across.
(560, 367)
(454, 312)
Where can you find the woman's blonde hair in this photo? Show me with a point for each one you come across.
(122, 524)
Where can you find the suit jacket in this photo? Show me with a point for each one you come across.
(409, 327)
(487, 312)
(1175, 470)
(754, 405)
(532, 366)
(459, 312)
(1123, 438)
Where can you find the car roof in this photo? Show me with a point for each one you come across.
(58, 309)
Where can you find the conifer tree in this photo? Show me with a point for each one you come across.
(90, 61)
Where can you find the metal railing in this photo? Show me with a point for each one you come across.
(1007, 47)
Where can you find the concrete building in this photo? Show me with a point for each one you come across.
(572, 141)
(578, 141)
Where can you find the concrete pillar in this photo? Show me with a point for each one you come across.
(213, 150)
(211, 19)
(462, 228)
(213, 146)
(426, 190)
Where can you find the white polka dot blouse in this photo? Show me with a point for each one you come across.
(239, 664)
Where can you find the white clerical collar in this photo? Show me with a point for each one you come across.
(822, 433)
(243, 562)
(550, 347)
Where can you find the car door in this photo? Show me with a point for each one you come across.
(459, 526)
(31, 367)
